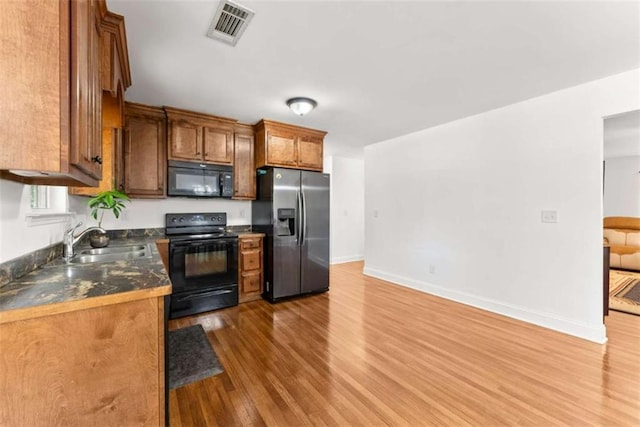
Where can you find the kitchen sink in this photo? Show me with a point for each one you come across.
(114, 250)
(113, 253)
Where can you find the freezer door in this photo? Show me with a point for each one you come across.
(286, 249)
(315, 232)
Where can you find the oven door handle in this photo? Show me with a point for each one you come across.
(204, 294)
(203, 242)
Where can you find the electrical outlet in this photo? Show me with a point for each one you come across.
(375, 213)
(550, 216)
(241, 213)
(432, 269)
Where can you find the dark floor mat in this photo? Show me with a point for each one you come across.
(191, 357)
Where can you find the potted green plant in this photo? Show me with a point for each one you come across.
(112, 200)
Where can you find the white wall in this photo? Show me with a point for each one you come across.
(622, 186)
(18, 234)
(347, 209)
(141, 213)
(457, 211)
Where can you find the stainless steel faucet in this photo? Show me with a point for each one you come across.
(70, 240)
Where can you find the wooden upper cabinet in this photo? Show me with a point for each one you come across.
(116, 78)
(199, 137)
(111, 138)
(218, 144)
(185, 140)
(116, 74)
(310, 151)
(281, 144)
(50, 91)
(281, 147)
(86, 88)
(145, 164)
(244, 173)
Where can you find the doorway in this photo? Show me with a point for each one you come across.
(621, 209)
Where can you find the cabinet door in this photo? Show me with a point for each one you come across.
(98, 366)
(251, 285)
(144, 157)
(244, 176)
(86, 88)
(118, 159)
(251, 260)
(250, 265)
(218, 145)
(281, 148)
(111, 141)
(310, 152)
(185, 140)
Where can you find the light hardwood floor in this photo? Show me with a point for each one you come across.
(372, 353)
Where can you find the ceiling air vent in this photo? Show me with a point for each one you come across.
(229, 22)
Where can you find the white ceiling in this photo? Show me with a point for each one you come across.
(378, 69)
(622, 135)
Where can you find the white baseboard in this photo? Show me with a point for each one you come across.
(591, 333)
(343, 259)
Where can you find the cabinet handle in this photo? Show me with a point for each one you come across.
(197, 153)
(97, 159)
(121, 186)
(206, 154)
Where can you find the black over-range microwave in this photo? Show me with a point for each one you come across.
(192, 179)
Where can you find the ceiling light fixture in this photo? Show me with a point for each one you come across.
(301, 106)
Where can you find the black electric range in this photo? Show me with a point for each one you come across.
(203, 263)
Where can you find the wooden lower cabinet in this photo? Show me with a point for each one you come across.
(95, 366)
(250, 267)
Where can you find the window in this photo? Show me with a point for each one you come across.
(47, 205)
(39, 197)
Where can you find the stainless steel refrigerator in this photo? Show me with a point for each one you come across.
(292, 209)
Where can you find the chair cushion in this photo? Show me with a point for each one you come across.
(633, 238)
(615, 237)
(630, 262)
(623, 237)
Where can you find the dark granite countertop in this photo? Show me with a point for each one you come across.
(249, 233)
(59, 282)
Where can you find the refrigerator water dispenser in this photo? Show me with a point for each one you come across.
(286, 223)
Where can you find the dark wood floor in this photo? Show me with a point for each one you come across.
(372, 353)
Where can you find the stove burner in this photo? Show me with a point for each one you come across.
(197, 225)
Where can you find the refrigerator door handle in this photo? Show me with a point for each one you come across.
(299, 219)
(304, 219)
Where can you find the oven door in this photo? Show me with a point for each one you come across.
(193, 182)
(203, 265)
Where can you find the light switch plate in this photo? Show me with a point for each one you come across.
(550, 216)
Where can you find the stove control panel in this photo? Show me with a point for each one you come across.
(196, 219)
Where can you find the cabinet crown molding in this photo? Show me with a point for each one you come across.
(266, 123)
(114, 24)
(142, 109)
(178, 113)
